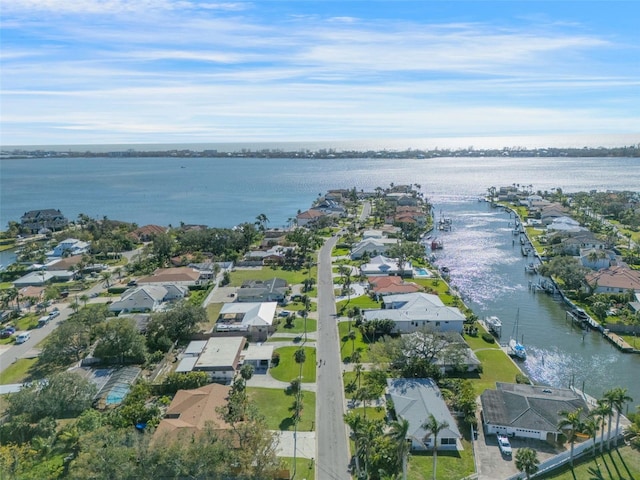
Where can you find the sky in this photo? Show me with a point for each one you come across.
(178, 71)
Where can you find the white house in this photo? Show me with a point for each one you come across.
(382, 265)
(415, 399)
(252, 317)
(372, 247)
(531, 411)
(70, 246)
(412, 311)
(220, 357)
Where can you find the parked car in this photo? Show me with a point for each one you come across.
(6, 332)
(23, 337)
(54, 313)
(42, 321)
(505, 446)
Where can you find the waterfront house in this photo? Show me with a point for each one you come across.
(272, 290)
(596, 259)
(415, 399)
(531, 411)
(391, 285)
(309, 217)
(69, 247)
(413, 311)
(191, 411)
(571, 243)
(39, 278)
(615, 279)
(50, 219)
(385, 266)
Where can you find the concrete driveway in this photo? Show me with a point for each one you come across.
(493, 465)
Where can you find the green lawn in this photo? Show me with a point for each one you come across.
(18, 371)
(438, 287)
(347, 347)
(372, 413)
(305, 468)
(340, 252)
(265, 273)
(363, 301)
(298, 325)
(213, 311)
(496, 367)
(451, 465)
(621, 464)
(297, 306)
(275, 406)
(288, 369)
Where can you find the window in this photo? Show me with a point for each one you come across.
(447, 441)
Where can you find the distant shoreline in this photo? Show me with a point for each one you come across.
(632, 151)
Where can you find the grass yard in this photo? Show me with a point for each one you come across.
(496, 367)
(363, 301)
(438, 287)
(347, 347)
(450, 465)
(275, 406)
(292, 277)
(298, 325)
(620, 464)
(372, 413)
(213, 311)
(288, 369)
(305, 468)
(17, 371)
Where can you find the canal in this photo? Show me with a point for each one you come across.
(487, 267)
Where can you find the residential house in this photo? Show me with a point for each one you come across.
(148, 298)
(147, 233)
(382, 265)
(254, 318)
(531, 411)
(412, 311)
(402, 199)
(330, 207)
(596, 259)
(50, 219)
(220, 358)
(258, 356)
(372, 247)
(69, 247)
(454, 354)
(391, 285)
(273, 256)
(572, 242)
(184, 276)
(191, 411)
(309, 217)
(272, 290)
(565, 224)
(36, 278)
(415, 399)
(615, 279)
(549, 213)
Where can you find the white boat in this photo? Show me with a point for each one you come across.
(530, 268)
(494, 325)
(516, 349)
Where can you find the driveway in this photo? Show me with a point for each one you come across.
(493, 465)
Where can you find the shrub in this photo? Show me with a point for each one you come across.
(521, 378)
(275, 359)
(487, 337)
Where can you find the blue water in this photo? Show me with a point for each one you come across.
(225, 192)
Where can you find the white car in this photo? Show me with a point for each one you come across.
(505, 446)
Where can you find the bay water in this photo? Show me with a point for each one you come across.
(485, 265)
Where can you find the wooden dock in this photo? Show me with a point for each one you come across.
(618, 341)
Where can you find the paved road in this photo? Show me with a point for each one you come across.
(332, 445)
(11, 354)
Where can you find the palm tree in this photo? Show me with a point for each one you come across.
(106, 276)
(590, 428)
(435, 427)
(603, 411)
(571, 421)
(527, 461)
(609, 396)
(300, 356)
(84, 298)
(398, 433)
(352, 337)
(619, 399)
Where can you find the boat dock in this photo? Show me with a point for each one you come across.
(619, 342)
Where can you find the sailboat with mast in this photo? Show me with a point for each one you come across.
(516, 349)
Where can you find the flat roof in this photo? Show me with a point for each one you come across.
(220, 352)
(186, 364)
(195, 347)
(258, 352)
